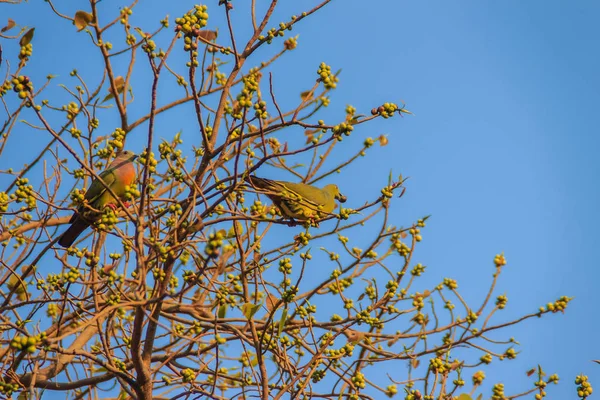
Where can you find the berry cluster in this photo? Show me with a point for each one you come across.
(21, 85)
(189, 25)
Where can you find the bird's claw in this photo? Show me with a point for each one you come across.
(114, 206)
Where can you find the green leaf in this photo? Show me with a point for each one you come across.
(480, 396)
(26, 38)
(82, 19)
(282, 321)
(222, 311)
(249, 309)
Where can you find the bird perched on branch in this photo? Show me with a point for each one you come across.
(298, 200)
(119, 174)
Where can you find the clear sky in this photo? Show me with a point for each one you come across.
(501, 150)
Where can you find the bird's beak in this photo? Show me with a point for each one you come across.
(341, 198)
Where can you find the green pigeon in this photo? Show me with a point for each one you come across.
(119, 174)
(299, 200)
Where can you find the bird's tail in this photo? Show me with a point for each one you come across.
(261, 183)
(70, 235)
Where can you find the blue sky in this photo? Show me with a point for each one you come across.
(501, 150)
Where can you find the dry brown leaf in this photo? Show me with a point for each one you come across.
(383, 140)
(120, 85)
(455, 364)
(310, 134)
(271, 302)
(9, 25)
(208, 35)
(354, 336)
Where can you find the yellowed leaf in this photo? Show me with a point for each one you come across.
(249, 309)
(120, 85)
(82, 19)
(9, 25)
(26, 38)
(306, 95)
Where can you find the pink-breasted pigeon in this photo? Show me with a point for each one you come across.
(119, 174)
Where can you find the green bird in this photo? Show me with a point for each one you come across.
(299, 200)
(119, 174)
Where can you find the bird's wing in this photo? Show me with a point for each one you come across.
(310, 196)
(97, 189)
(295, 200)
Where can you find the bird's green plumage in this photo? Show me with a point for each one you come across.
(119, 175)
(98, 196)
(299, 200)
